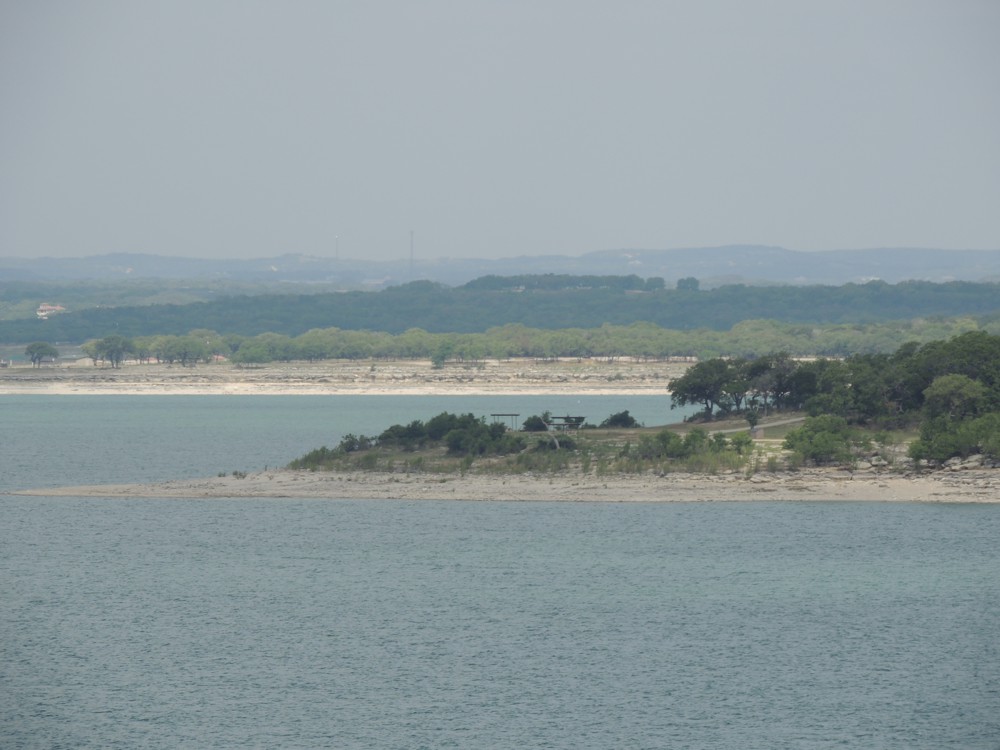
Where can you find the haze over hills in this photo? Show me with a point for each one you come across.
(714, 266)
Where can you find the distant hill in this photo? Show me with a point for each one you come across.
(713, 266)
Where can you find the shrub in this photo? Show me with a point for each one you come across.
(621, 419)
(942, 438)
(534, 423)
(718, 442)
(671, 444)
(823, 440)
(351, 443)
(742, 443)
(408, 437)
(314, 459)
(696, 441)
(665, 444)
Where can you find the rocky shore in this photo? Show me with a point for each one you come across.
(416, 377)
(971, 485)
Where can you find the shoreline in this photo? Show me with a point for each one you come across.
(568, 376)
(822, 485)
(597, 377)
(286, 390)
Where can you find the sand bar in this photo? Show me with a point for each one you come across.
(975, 486)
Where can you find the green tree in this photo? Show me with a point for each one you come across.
(252, 353)
(90, 349)
(769, 379)
(870, 387)
(214, 343)
(832, 383)
(704, 383)
(186, 349)
(987, 431)
(444, 351)
(143, 347)
(265, 347)
(951, 427)
(954, 397)
(39, 350)
(737, 386)
(114, 349)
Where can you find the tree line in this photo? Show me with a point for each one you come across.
(949, 389)
(435, 308)
(641, 340)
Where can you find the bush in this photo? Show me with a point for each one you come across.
(534, 423)
(667, 444)
(314, 459)
(718, 442)
(942, 438)
(351, 443)
(408, 437)
(439, 426)
(621, 419)
(824, 440)
(473, 437)
(742, 443)
(696, 441)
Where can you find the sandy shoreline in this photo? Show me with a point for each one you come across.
(525, 377)
(367, 377)
(974, 486)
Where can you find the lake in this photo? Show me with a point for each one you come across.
(375, 624)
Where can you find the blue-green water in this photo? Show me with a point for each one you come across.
(68, 440)
(383, 624)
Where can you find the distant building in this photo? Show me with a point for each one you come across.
(45, 310)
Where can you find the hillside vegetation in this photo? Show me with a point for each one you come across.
(574, 304)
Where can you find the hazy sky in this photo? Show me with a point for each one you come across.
(236, 128)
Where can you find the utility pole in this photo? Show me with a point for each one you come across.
(411, 255)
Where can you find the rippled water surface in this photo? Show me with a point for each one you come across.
(384, 624)
(67, 440)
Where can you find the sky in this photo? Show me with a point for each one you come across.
(244, 129)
